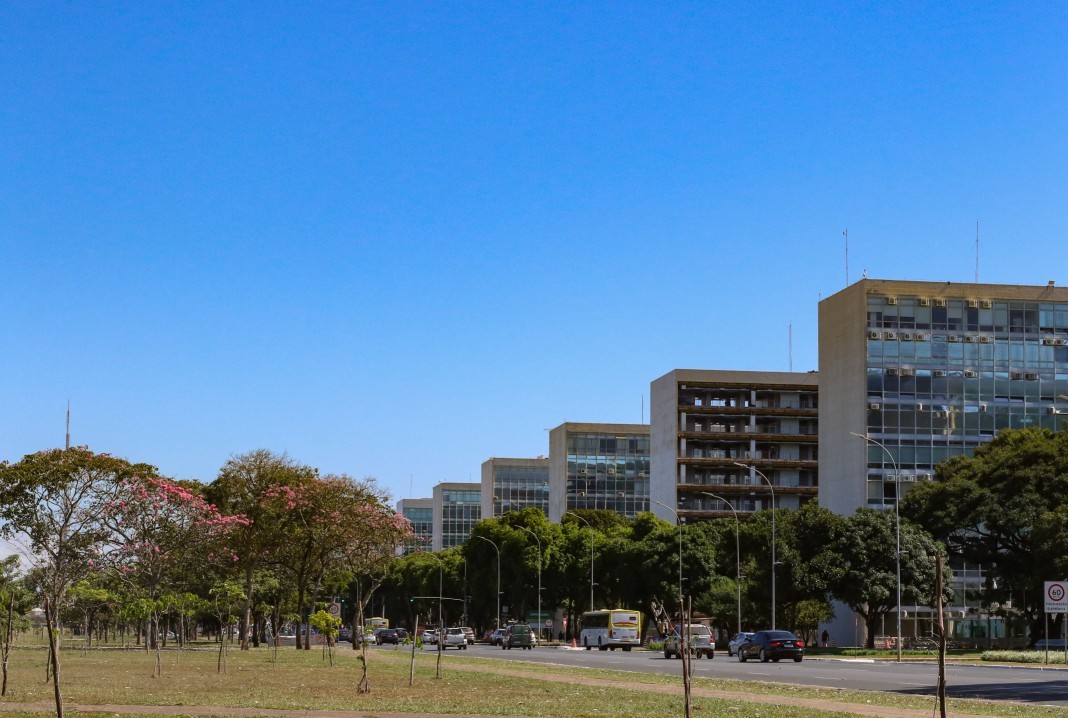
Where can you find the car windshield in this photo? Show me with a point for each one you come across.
(780, 635)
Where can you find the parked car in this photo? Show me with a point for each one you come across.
(455, 637)
(430, 637)
(739, 638)
(497, 637)
(344, 634)
(387, 635)
(469, 634)
(701, 641)
(518, 636)
(771, 646)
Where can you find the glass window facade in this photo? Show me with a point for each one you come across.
(608, 471)
(520, 487)
(422, 520)
(945, 375)
(460, 511)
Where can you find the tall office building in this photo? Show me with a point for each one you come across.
(514, 484)
(457, 508)
(717, 432)
(420, 512)
(599, 466)
(930, 370)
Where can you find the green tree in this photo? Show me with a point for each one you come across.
(868, 581)
(1001, 508)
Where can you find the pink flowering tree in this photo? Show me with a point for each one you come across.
(157, 527)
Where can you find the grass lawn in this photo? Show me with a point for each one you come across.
(303, 680)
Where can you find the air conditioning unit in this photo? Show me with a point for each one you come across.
(1031, 376)
(940, 302)
(923, 337)
(925, 301)
(982, 408)
(971, 338)
(1060, 342)
(891, 300)
(939, 372)
(906, 336)
(920, 407)
(1017, 375)
(873, 406)
(970, 373)
(908, 371)
(985, 304)
(891, 371)
(954, 337)
(985, 339)
(875, 335)
(1051, 410)
(1049, 341)
(907, 477)
(973, 303)
(891, 335)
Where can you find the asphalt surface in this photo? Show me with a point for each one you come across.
(1038, 685)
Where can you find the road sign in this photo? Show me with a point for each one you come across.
(334, 609)
(1056, 596)
(548, 623)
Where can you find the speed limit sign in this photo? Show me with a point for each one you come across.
(334, 609)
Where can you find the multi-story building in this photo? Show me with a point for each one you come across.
(457, 508)
(420, 512)
(717, 432)
(930, 370)
(599, 466)
(514, 484)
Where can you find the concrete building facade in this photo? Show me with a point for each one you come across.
(514, 484)
(598, 466)
(718, 431)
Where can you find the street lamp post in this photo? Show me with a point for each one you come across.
(678, 522)
(572, 513)
(773, 562)
(897, 527)
(498, 577)
(540, 623)
(737, 552)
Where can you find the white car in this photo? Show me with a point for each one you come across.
(455, 637)
(430, 637)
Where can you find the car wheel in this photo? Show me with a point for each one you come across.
(774, 660)
(667, 653)
(710, 655)
(741, 656)
(763, 656)
(797, 659)
(730, 653)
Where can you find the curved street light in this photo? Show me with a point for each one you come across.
(678, 523)
(737, 552)
(498, 577)
(572, 513)
(897, 527)
(773, 562)
(539, 576)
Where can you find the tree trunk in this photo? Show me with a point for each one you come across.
(53, 650)
(246, 615)
(8, 635)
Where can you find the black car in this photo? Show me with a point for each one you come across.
(344, 634)
(771, 646)
(387, 635)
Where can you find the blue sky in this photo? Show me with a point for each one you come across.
(396, 239)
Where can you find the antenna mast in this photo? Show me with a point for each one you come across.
(976, 251)
(68, 423)
(790, 345)
(846, 235)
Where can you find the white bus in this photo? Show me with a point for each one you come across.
(610, 628)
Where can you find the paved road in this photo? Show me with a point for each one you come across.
(1032, 685)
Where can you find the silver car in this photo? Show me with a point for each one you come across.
(700, 639)
(732, 646)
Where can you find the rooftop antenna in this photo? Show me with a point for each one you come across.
(68, 424)
(790, 345)
(643, 408)
(976, 251)
(846, 235)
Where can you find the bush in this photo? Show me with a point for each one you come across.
(655, 645)
(1023, 656)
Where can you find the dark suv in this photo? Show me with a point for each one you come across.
(518, 636)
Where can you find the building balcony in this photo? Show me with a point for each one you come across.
(747, 410)
(762, 464)
(746, 436)
(729, 490)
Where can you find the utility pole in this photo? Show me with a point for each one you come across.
(68, 424)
